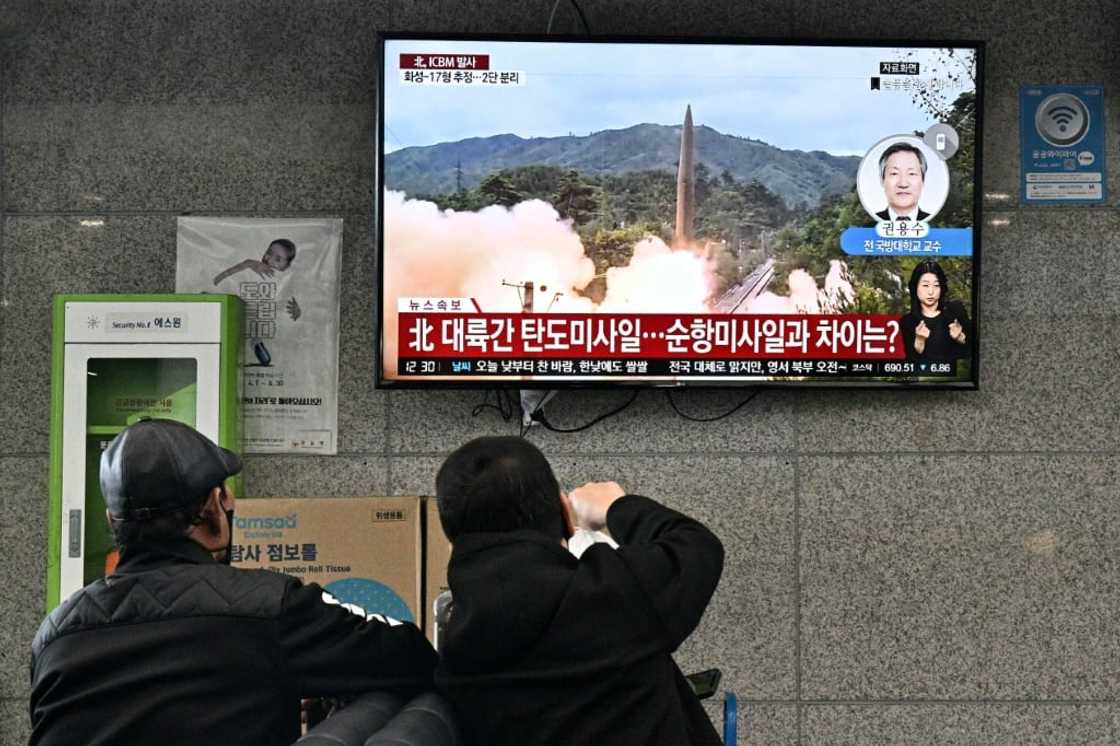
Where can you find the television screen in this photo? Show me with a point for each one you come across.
(574, 211)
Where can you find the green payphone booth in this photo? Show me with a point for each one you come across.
(116, 359)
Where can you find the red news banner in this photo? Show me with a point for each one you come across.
(649, 336)
(425, 61)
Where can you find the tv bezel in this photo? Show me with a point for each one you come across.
(438, 384)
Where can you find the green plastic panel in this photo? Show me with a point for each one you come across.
(119, 391)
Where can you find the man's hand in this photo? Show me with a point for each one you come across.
(591, 502)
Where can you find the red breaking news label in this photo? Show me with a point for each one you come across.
(427, 61)
(651, 336)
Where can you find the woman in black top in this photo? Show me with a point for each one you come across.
(935, 328)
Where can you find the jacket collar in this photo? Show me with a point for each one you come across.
(150, 555)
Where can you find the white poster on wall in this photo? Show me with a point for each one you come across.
(287, 273)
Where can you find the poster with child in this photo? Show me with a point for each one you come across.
(287, 273)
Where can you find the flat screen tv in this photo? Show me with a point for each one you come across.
(559, 211)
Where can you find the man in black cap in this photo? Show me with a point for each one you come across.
(175, 647)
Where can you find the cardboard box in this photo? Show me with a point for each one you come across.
(363, 550)
(437, 553)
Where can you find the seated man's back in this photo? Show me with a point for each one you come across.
(177, 648)
(544, 648)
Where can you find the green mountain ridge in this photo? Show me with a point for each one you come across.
(800, 178)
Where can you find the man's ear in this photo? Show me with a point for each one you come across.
(225, 497)
(212, 513)
(213, 502)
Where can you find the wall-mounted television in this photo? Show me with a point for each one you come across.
(564, 212)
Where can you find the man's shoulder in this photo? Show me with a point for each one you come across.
(159, 594)
(604, 572)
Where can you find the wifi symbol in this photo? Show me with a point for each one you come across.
(1062, 119)
(1062, 116)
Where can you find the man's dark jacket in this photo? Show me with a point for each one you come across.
(175, 648)
(543, 648)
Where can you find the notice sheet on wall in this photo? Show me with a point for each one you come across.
(287, 273)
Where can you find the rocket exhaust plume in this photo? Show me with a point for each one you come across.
(804, 296)
(659, 279)
(435, 253)
(442, 254)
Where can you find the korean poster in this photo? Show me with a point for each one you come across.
(287, 273)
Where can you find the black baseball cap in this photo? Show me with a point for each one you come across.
(158, 466)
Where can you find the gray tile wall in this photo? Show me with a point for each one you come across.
(930, 568)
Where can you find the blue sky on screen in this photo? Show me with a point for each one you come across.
(807, 98)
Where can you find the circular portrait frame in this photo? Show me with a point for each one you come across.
(869, 187)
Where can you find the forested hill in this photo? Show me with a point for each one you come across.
(800, 178)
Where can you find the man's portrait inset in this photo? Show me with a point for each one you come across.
(900, 181)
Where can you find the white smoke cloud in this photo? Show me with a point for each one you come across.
(443, 253)
(659, 279)
(838, 292)
(437, 252)
(804, 295)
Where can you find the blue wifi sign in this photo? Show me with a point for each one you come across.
(1062, 134)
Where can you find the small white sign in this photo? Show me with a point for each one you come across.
(148, 323)
(136, 322)
(436, 305)
(1064, 191)
(1064, 177)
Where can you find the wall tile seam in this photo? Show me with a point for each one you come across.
(955, 702)
(1108, 209)
(868, 703)
(789, 455)
(798, 600)
(387, 415)
(765, 701)
(967, 452)
(551, 452)
(779, 701)
(377, 460)
(852, 455)
(223, 213)
(3, 188)
(1006, 316)
(300, 456)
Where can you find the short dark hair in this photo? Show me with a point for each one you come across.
(901, 147)
(288, 246)
(928, 267)
(162, 527)
(498, 484)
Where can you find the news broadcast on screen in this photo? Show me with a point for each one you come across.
(677, 213)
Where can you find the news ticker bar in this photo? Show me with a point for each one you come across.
(430, 334)
(568, 367)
